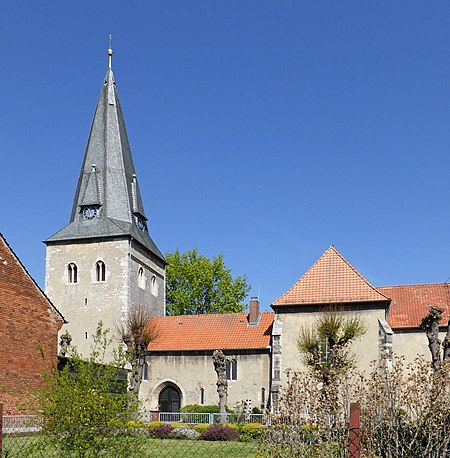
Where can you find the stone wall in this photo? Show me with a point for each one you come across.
(149, 290)
(89, 301)
(289, 324)
(191, 371)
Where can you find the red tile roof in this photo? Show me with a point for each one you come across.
(331, 280)
(410, 303)
(211, 332)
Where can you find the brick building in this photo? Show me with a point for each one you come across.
(29, 325)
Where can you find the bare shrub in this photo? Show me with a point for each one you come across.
(312, 418)
(405, 409)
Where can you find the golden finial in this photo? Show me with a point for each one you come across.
(110, 51)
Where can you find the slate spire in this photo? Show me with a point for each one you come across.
(108, 201)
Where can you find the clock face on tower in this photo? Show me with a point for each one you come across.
(89, 213)
(140, 223)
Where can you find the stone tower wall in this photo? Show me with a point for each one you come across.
(88, 301)
(149, 291)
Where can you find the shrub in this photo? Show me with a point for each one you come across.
(233, 426)
(160, 432)
(178, 425)
(154, 424)
(183, 432)
(253, 430)
(135, 424)
(87, 399)
(219, 433)
(202, 427)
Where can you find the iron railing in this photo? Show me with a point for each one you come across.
(22, 424)
(211, 418)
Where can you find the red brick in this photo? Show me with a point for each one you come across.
(27, 320)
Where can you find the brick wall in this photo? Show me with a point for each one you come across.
(29, 327)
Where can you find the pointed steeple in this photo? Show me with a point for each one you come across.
(108, 201)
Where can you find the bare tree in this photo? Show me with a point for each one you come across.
(136, 333)
(430, 324)
(220, 366)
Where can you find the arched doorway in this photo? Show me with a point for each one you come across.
(169, 400)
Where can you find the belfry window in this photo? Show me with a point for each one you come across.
(100, 271)
(141, 278)
(154, 286)
(72, 273)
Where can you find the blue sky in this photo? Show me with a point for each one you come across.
(263, 130)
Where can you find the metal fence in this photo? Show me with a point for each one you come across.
(87, 441)
(210, 418)
(28, 437)
(22, 424)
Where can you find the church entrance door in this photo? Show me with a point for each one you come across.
(169, 400)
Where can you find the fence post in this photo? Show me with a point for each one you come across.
(1, 429)
(354, 446)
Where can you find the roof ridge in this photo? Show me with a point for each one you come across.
(211, 315)
(415, 284)
(357, 272)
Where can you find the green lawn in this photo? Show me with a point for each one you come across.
(35, 447)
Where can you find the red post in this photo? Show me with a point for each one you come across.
(354, 446)
(1, 428)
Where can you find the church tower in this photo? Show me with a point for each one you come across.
(104, 262)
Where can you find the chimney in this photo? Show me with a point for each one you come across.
(254, 316)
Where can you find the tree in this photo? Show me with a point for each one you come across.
(136, 333)
(220, 365)
(196, 284)
(324, 347)
(430, 324)
(86, 406)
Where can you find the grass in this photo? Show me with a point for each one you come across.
(36, 447)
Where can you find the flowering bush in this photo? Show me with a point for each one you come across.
(178, 425)
(183, 432)
(219, 433)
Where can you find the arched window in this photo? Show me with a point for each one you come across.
(263, 398)
(100, 271)
(202, 396)
(145, 372)
(72, 273)
(154, 286)
(141, 278)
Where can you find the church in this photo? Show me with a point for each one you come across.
(104, 262)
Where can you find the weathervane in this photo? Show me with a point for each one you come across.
(110, 51)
